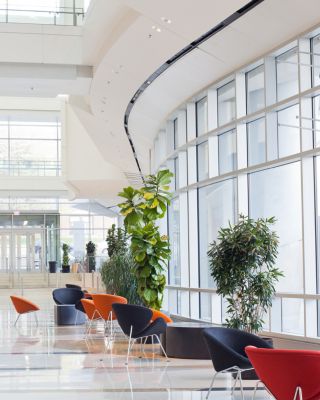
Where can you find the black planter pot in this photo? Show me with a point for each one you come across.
(52, 266)
(65, 269)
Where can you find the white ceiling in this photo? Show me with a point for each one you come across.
(133, 57)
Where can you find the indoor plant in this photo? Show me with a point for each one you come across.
(65, 257)
(242, 263)
(91, 252)
(117, 273)
(151, 251)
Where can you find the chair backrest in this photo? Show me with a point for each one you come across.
(23, 305)
(72, 286)
(227, 346)
(158, 314)
(103, 303)
(282, 371)
(67, 296)
(89, 308)
(128, 315)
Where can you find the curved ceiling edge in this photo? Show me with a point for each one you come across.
(193, 45)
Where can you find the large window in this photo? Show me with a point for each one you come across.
(316, 60)
(174, 235)
(203, 161)
(256, 139)
(217, 205)
(227, 103)
(30, 144)
(288, 131)
(276, 192)
(255, 89)
(175, 134)
(227, 152)
(316, 121)
(287, 74)
(202, 116)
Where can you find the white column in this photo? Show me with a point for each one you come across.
(191, 121)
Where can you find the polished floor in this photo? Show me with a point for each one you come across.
(50, 362)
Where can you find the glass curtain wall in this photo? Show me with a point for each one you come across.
(271, 154)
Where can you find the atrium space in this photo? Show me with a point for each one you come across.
(159, 199)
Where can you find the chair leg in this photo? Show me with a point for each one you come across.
(235, 384)
(241, 385)
(255, 389)
(75, 322)
(297, 393)
(162, 347)
(211, 385)
(15, 323)
(36, 318)
(129, 346)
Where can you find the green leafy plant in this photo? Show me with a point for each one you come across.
(117, 240)
(91, 252)
(242, 263)
(117, 273)
(65, 254)
(151, 251)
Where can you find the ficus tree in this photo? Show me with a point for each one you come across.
(242, 263)
(151, 251)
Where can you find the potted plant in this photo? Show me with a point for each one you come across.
(65, 258)
(150, 250)
(91, 253)
(242, 263)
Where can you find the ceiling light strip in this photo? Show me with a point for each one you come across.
(193, 45)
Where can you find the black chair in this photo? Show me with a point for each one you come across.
(72, 286)
(68, 301)
(135, 324)
(226, 347)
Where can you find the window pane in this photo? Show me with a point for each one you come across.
(26, 150)
(205, 306)
(316, 116)
(293, 316)
(256, 141)
(316, 60)
(176, 173)
(33, 131)
(287, 74)
(226, 103)
(227, 152)
(202, 116)
(174, 235)
(288, 131)
(175, 133)
(276, 192)
(216, 208)
(203, 161)
(255, 89)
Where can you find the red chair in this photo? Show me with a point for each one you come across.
(287, 374)
(23, 306)
(158, 314)
(91, 313)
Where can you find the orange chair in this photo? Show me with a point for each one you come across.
(24, 306)
(158, 314)
(91, 313)
(103, 304)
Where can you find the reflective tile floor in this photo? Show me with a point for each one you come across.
(50, 362)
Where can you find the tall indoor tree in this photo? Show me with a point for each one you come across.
(151, 251)
(242, 263)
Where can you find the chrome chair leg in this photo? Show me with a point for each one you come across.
(15, 323)
(297, 393)
(211, 384)
(129, 346)
(235, 383)
(162, 347)
(36, 318)
(255, 389)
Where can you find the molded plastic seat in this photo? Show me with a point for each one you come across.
(67, 296)
(287, 373)
(23, 306)
(103, 304)
(227, 350)
(72, 286)
(135, 323)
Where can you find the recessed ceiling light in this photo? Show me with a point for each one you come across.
(158, 30)
(148, 82)
(153, 27)
(166, 20)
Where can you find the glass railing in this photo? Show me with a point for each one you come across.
(29, 168)
(44, 12)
